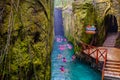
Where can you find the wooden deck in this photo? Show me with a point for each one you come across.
(112, 54)
(111, 67)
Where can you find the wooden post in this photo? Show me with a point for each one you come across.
(97, 56)
(88, 51)
(105, 56)
(103, 73)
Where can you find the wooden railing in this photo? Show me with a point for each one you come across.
(98, 53)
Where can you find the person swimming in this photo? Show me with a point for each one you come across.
(64, 59)
(62, 69)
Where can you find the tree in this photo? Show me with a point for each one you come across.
(26, 39)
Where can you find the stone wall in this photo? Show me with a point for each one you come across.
(102, 6)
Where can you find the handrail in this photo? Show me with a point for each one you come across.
(99, 52)
(102, 54)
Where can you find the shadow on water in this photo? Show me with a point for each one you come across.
(58, 23)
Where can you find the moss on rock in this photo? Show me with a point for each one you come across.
(25, 35)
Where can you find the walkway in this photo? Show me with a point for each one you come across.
(63, 63)
(111, 68)
(113, 53)
(110, 40)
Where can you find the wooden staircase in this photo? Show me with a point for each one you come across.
(112, 70)
(111, 66)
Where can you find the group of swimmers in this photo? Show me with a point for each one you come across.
(62, 69)
(63, 47)
(64, 59)
(61, 39)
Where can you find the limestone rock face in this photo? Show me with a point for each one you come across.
(76, 15)
(102, 9)
(109, 7)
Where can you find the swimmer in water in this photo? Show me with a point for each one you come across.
(64, 59)
(62, 69)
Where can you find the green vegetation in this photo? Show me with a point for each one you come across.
(87, 14)
(26, 35)
(26, 39)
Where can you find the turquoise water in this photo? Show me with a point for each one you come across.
(74, 69)
(63, 65)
